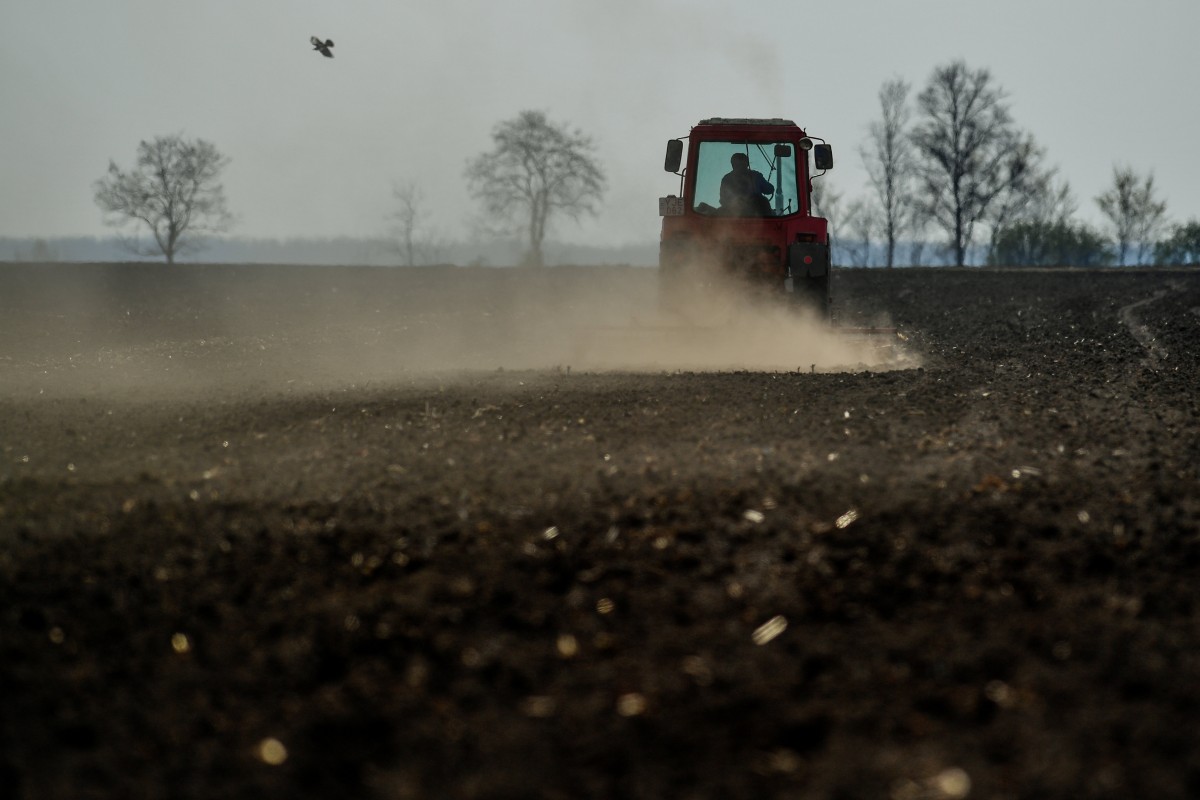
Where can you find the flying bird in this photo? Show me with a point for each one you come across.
(323, 47)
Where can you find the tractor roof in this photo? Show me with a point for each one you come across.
(743, 121)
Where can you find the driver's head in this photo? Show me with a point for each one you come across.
(740, 161)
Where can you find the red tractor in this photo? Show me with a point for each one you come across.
(744, 211)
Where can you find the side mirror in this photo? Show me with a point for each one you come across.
(783, 151)
(823, 156)
(674, 155)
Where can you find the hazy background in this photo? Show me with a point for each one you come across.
(416, 87)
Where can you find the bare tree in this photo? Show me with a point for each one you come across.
(1136, 214)
(1055, 205)
(1038, 227)
(535, 170)
(916, 222)
(827, 203)
(1182, 246)
(889, 161)
(969, 151)
(862, 219)
(414, 239)
(1026, 190)
(173, 190)
(39, 252)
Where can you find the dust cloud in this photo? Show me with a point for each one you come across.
(605, 319)
(715, 324)
(220, 332)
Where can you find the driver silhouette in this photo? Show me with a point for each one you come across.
(744, 191)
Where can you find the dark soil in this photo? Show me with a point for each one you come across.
(258, 539)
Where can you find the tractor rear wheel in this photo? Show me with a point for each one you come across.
(812, 295)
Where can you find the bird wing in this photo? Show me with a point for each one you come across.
(314, 41)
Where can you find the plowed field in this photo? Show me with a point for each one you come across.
(470, 533)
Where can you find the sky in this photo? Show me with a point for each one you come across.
(415, 89)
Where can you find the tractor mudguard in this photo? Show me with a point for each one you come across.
(808, 260)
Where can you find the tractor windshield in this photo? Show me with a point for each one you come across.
(746, 179)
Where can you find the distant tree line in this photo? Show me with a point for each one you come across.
(955, 164)
(380, 251)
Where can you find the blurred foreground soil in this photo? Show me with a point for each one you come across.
(293, 532)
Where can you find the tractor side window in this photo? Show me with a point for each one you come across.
(745, 179)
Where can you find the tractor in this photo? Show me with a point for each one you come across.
(744, 213)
